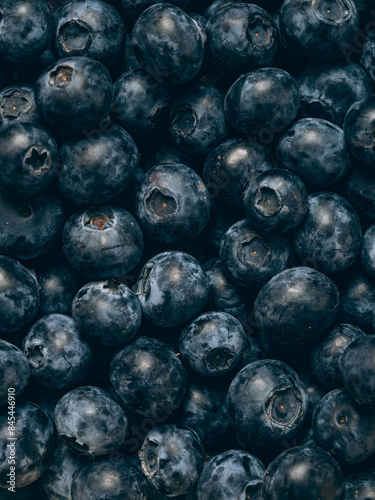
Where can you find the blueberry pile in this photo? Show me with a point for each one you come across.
(187, 250)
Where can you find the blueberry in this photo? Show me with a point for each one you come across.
(172, 289)
(90, 421)
(297, 306)
(330, 237)
(241, 37)
(172, 459)
(267, 403)
(316, 151)
(360, 485)
(197, 121)
(275, 201)
(56, 482)
(368, 56)
(19, 295)
(231, 165)
(141, 102)
(232, 474)
(262, 102)
(113, 478)
(213, 343)
(149, 377)
(107, 312)
(14, 371)
(359, 189)
(96, 169)
(204, 410)
(168, 44)
(91, 29)
(358, 129)
(329, 90)
(17, 105)
(367, 251)
(321, 30)
(344, 429)
(31, 455)
(303, 472)
(326, 354)
(134, 8)
(75, 94)
(251, 258)
(25, 29)
(58, 356)
(103, 242)
(173, 203)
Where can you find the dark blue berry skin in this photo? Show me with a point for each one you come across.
(149, 377)
(140, 103)
(74, 94)
(172, 459)
(58, 283)
(32, 455)
(172, 289)
(267, 403)
(213, 343)
(357, 292)
(134, 8)
(368, 56)
(330, 236)
(104, 242)
(303, 472)
(93, 169)
(328, 91)
(14, 371)
(250, 258)
(107, 312)
(357, 370)
(325, 356)
(220, 221)
(174, 55)
(297, 306)
(173, 203)
(360, 485)
(367, 251)
(231, 475)
(231, 165)
(59, 357)
(168, 153)
(113, 478)
(31, 227)
(224, 295)
(90, 421)
(19, 295)
(204, 409)
(315, 392)
(263, 101)
(359, 189)
(28, 158)
(321, 30)
(275, 201)
(358, 127)
(91, 29)
(26, 29)
(343, 428)
(17, 105)
(241, 37)
(56, 482)
(197, 121)
(316, 151)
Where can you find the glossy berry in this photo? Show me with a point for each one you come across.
(14, 370)
(103, 242)
(360, 485)
(275, 201)
(172, 289)
(213, 343)
(251, 258)
(174, 55)
(173, 203)
(297, 306)
(172, 459)
(267, 403)
(107, 312)
(149, 377)
(358, 126)
(90, 421)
